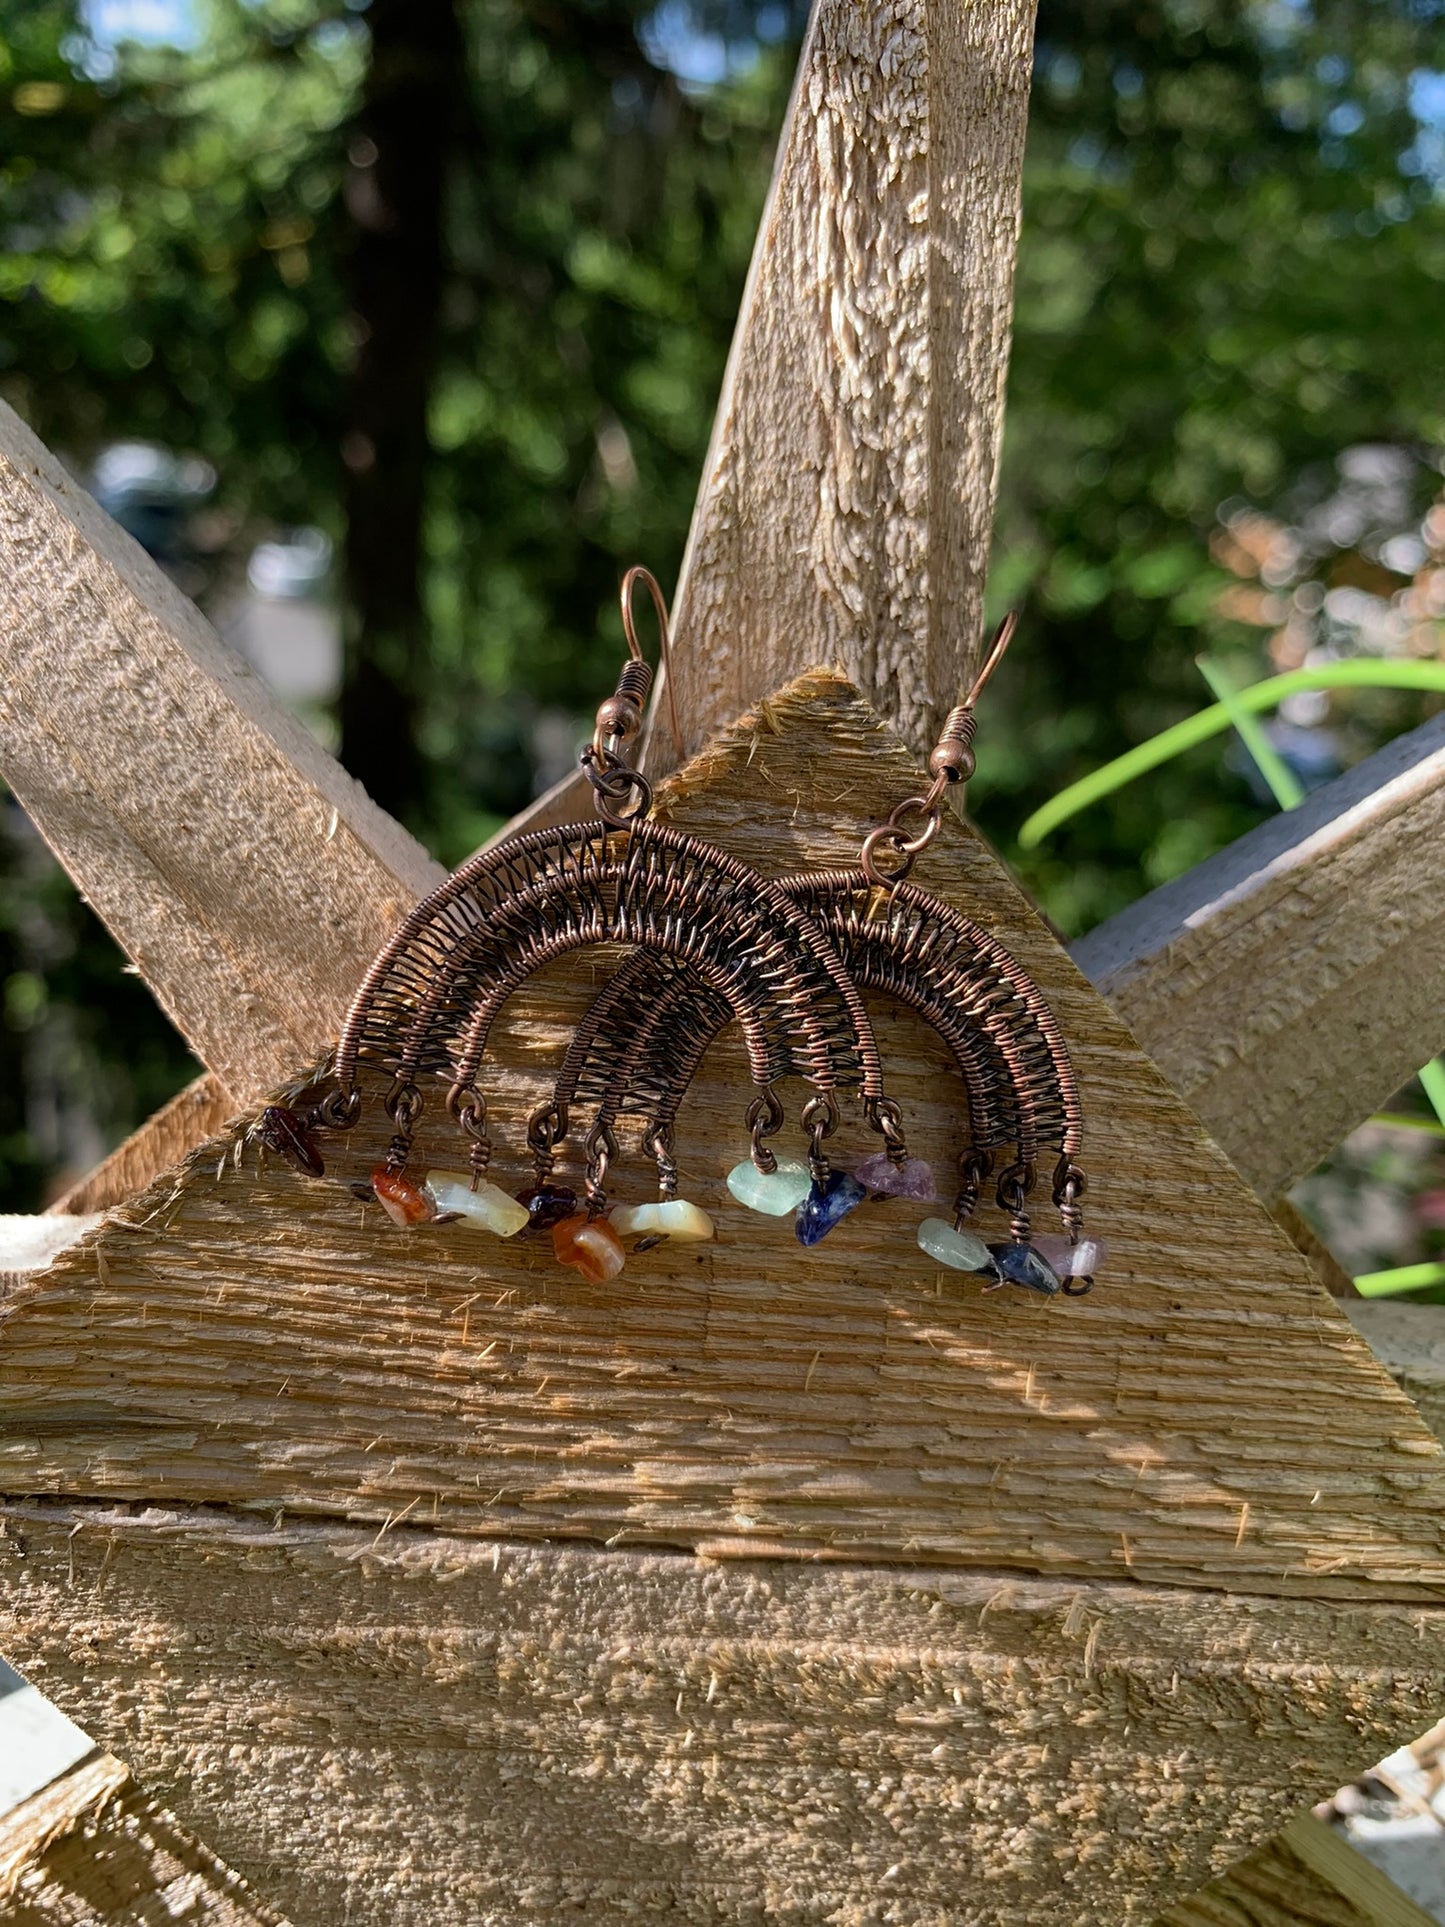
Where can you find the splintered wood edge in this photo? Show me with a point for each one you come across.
(1308, 1875)
(93, 1840)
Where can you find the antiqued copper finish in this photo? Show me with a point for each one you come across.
(642, 1041)
(713, 943)
(644, 1037)
(425, 1011)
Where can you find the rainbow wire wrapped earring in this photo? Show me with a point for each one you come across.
(649, 1029)
(423, 1016)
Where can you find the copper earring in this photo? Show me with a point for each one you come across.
(648, 1031)
(424, 1014)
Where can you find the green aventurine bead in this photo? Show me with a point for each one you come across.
(960, 1250)
(774, 1193)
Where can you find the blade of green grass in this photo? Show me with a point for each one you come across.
(1432, 1082)
(1209, 722)
(1386, 1284)
(1288, 791)
(1403, 1121)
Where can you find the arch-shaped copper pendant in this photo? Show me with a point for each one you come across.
(648, 1030)
(425, 1010)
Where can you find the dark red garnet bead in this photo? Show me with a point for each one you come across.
(283, 1132)
(547, 1204)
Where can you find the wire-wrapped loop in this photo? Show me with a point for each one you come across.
(623, 796)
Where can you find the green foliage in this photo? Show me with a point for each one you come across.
(1230, 272)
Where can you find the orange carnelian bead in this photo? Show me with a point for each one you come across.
(400, 1199)
(590, 1246)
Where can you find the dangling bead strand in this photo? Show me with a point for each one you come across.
(832, 1194)
(589, 1245)
(763, 1182)
(403, 1202)
(477, 1202)
(1019, 1263)
(892, 1173)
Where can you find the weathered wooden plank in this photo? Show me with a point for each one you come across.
(630, 1735)
(1307, 1876)
(1208, 1416)
(240, 868)
(847, 498)
(192, 1116)
(91, 1850)
(1287, 986)
(1409, 1341)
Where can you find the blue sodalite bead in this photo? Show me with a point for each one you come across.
(826, 1204)
(1022, 1265)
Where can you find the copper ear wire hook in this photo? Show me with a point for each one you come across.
(1002, 637)
(952, 761)
(649, 581)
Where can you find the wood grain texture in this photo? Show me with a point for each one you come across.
(1290, 984)
(193, 1115)
(1307, 1876)
(1303, 1236)
(1409, 1341)
(845, 507)
(408, 1728)
(92, 1850)
(248, 1338)
(247, 876)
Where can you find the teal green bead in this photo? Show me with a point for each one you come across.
(959, 1250)
(774, 1193)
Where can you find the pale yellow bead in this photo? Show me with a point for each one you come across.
(668, 1218)
(489, 1207)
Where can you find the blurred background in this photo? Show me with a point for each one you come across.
(394, 331)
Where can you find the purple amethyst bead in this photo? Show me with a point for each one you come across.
(826, 1204)
(913, 1179)
(1082, 1260)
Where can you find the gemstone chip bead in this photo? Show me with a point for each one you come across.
(912, 1179)
(547, 1204)
(774, 1193)
(489, 1207)
(588, 1245)
(1022, 1265)
(959, 1250)
(826, 1205)
(1083, 1260)
(667, 1218)
(403, 1202)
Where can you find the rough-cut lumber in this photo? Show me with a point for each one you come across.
(1409, 1341)
(91, 1850)
(240, 868)
(848, 492)
(1290, 984)
(1307, 1876)
(1208, 1416)
(193, 1115)
(1303, 1236)
(433, 1731)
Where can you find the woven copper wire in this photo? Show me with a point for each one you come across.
(428, 1002)
(649, 1028)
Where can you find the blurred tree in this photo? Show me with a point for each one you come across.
(401, 149)
(1233, 256)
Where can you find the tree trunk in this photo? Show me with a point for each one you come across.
(395, 191)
